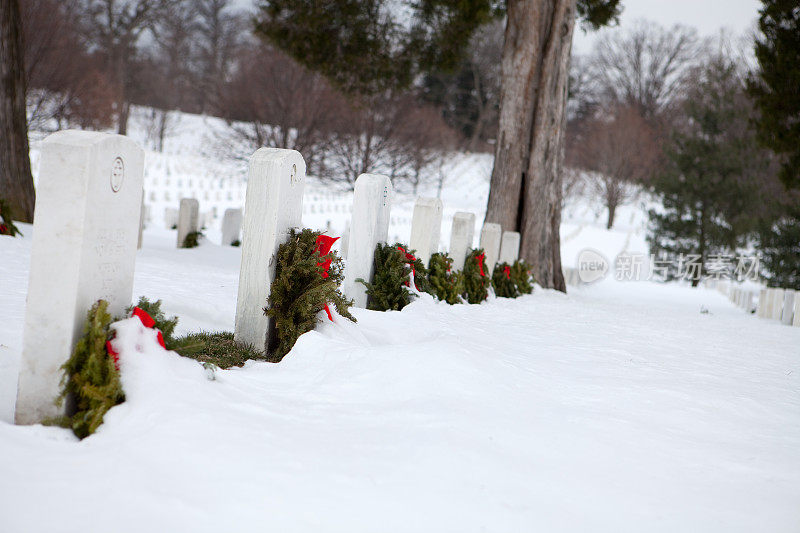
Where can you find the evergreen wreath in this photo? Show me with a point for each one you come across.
(504, 286)
(475, 280)
(521, 276)
(394, 267)
(192, 239)
(160, 321)
(91, 384)
(388, 289)
(7, 226)
(307, 278)
(445, 284)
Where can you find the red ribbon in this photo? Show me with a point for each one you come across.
(113, 353)
(479, 259)
(323, 247)
(507, 272)
(3, 229)
(146, 319)
(410, 260)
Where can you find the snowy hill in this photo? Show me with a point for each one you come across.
(617, 407)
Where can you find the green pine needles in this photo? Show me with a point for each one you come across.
(511, 281)
(475, 277)
(91, 384)
(445, 284)
(307, 277)
(162, 323)
(521, 276)
(7, 226)
(504, 286)
(192, 239)
(389, 288)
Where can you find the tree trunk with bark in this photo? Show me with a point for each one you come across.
(525, 190)
(16, 183)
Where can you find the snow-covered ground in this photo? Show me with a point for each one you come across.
(617, 407)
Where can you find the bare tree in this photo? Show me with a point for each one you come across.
(16, 183)
(620, 152)
(646, 66)
(278, 103)
(115, 27)
(221, 30)
(388, 134)
(486, 51)
(65, 83)
(170, 87)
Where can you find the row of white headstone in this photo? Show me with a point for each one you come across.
(772, 304)
(187, 220)
(87, 226)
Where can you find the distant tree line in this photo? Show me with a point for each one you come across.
(701, 129)
(88, 61)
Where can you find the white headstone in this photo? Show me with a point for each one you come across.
(141, 222)
(344, 242)
(777, 304)
(88, 205)
(187, 218)
(788, 306)
(490, 242)
(762, 304)
(170, 217)
(796, 320)
(231, 226)
(372, 204)
(273, 205)
(462, 234)
(509, 247)
(748, 301)
(426, 228)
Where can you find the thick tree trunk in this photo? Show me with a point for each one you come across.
(525, 190)
(16, 183)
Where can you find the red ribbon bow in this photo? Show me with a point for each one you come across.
(507, 272)
(479, 259)
(148, 322)
(146, 319)
(410, 260)
(323, 247)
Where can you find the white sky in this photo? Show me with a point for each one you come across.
(708, 16)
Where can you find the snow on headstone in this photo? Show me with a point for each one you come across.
(88, 207)
(187, 218)
(490, 242)
(509, 247)
(426, 227)
(372, 204)
(231, 226)
(789, 296)
(461, 237)
(273, 205)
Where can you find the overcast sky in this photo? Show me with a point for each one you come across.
(708, 16)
